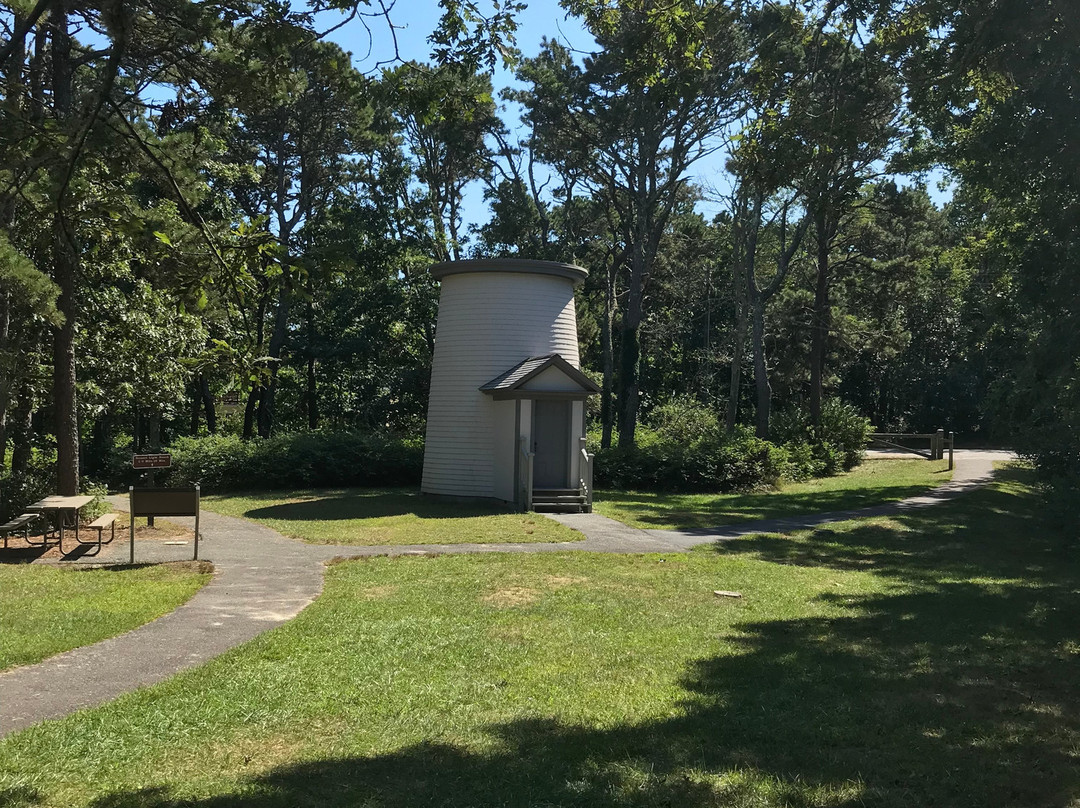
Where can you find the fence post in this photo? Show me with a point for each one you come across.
(952, 438)
(131, 513)
(940, 444)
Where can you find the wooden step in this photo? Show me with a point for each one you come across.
(559, 507)
(559, 500)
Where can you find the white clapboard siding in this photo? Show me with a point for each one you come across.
(489, 320)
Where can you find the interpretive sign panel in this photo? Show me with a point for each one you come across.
(151, 461)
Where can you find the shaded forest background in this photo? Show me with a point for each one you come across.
(211, 222)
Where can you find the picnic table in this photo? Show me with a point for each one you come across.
(65, 508)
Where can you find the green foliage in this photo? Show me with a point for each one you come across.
(32, 291)
(686, 421)
(839, 444)
(740, 462)
(683, 449)
(296, 460)
(99, 505)
(19, 489)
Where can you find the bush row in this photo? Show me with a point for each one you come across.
(684, 450)
(302, 460)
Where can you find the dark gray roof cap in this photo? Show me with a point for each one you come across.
(518, 265)
(519, 374)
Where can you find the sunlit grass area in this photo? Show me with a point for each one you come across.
(45, 610)
(872, 483)
(388, 516)
(928, 659)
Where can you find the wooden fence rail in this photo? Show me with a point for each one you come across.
(937, 440)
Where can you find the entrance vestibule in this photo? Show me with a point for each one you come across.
(551, 444)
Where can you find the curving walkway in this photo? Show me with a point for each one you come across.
(262, 579)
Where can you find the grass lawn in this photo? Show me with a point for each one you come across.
(928, 659)
(46, 610)
(389, 516)
(872, 483)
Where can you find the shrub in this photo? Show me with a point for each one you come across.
(19, 490)
(296, 460)
(735, 463)
(684, 450)
(685, 421)
(840, 443)
(99, 505)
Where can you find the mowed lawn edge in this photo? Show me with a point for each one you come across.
(874, 482)
(917, 660)
(391, 516)
(46, 610)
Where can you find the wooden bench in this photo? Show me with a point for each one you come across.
(99, 524)
(21, 522)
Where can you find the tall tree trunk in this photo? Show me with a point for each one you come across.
(630, 358)
(312, 382)
(7, 384)
(65, 270)
(14, 92)
(153, 424)
(738, 348)
(100, 444)
(196, 405)
(761, 369)
(277, 344)
(744, 230)
(706, 365)
(820, 331)
(250, 410)
(607, 349)
(64, 382)
(312, 395)
(208, 405)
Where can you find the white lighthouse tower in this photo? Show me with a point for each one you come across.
(506, 415)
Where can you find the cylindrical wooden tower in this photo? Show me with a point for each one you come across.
(495, 315)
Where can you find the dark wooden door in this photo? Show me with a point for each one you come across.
(551, 444)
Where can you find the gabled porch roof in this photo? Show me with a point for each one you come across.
(541, 377)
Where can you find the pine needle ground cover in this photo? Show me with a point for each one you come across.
(930, 659)
(871, 483)
(45, 610)
(363, 516)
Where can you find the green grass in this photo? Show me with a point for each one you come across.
(390, 516)
(928, 659)
(45, 610)
(872, 483)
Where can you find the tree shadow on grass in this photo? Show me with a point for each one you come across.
(960, 687)
(662, 510)
(367, 504)
(961, 697)
(986, 533)
(958, 694)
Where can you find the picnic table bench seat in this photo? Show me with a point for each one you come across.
(21, 522)
(99, 524)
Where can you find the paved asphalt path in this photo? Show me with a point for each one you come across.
(262, 579)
